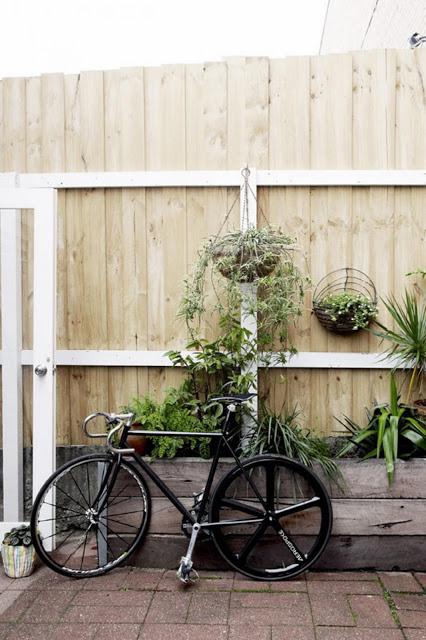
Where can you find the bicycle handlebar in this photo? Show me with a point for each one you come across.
(122, 419)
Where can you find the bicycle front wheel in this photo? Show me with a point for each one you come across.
(271, 519)
(90, 515)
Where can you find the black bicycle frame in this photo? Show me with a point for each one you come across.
(221, 436)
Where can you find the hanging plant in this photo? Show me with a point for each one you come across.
(345, 301)
(262, 257)
(250, 254)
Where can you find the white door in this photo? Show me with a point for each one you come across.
(44, 204)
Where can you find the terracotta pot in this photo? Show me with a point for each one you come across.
(141, 444)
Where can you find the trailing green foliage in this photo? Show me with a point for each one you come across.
(408, 339)
(281, 433)
(417, 272)
(264, 257)
(353, 306)
(392, 432)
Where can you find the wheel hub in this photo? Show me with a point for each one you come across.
(91, 515)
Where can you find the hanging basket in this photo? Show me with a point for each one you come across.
(241, 264)
(18, 561)
(345, 301)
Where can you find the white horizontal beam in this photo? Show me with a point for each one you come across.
(264, 178)
(12, 198)
(341, 178)
(8, 180)
(119, 179)
(127, 358)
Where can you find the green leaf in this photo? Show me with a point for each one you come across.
(415, 438)
(389, 457)
(380, 432)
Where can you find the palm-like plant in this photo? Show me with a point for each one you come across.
(408, 339)
(392, 432)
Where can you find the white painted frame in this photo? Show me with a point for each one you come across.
(44, 204)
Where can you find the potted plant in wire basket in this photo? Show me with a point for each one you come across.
(345, 301)
(18, 552)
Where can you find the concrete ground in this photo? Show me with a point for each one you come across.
(150, 604)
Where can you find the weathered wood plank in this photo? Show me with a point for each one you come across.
(355, 517)
(364, 479)
(343, 553)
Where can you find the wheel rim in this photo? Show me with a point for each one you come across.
(86, 522)
(283, 519)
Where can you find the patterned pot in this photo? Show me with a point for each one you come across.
(18, 562)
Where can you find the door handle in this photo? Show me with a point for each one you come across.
(40, 370)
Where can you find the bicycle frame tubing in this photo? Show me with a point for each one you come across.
(221, 436)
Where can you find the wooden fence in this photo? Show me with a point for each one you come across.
(122, 253)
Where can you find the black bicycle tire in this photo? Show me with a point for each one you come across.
(42, 554)
(326, 527)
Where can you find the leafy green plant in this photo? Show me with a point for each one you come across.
(264, 257)
(281, 433)
(392, 432)
(215, 367)
(177, 412)
(18, 536)
(408, 339)
(352, 306)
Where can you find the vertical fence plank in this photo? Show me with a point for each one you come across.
(206, 146)
(373, 148)
(124, 150)
(49, 114)
(289, 208)
(86, 246)
(248, 108)
(331, 146)
(165, 147)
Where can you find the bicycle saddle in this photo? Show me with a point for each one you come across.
(237, 397)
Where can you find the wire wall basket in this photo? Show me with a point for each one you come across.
(345, 300)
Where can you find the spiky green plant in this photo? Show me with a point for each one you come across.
(281, 433)
(408, 339)
(392, 432)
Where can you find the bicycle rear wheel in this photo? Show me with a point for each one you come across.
(90, 515)
(274, 518)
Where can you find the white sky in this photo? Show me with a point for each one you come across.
(42, 36)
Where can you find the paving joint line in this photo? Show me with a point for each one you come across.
(391, 604)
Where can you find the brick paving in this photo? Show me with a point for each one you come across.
(150, 604)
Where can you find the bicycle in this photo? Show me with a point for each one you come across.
(269, 517)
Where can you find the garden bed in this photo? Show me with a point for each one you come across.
(374, 526)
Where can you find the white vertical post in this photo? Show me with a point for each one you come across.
(11, 304)
(44, 385)
(248, 219)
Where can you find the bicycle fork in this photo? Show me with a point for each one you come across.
(185, 572)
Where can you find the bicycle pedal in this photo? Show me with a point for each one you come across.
(186, 573)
